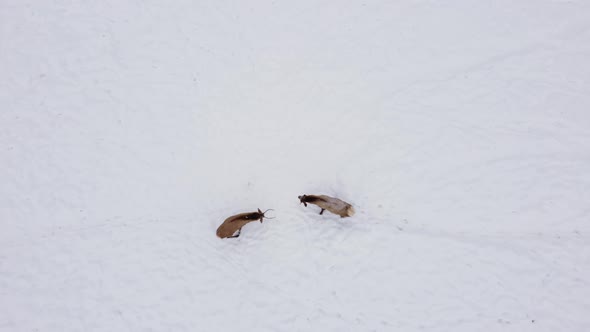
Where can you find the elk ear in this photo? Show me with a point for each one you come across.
(259, 211)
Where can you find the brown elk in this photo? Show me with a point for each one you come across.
(332, 204)
(232, 226)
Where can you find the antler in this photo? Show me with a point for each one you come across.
(266, 212)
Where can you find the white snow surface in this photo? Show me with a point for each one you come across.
(459, 130)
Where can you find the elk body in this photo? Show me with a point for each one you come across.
(332, 204)
(232, 226)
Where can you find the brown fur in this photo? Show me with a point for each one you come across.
(234, 224)
(332, 204)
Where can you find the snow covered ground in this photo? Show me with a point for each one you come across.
(459, 130)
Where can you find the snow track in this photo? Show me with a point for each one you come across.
(459, 131)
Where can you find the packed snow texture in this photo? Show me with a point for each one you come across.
(459, 130)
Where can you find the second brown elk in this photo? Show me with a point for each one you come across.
(332, 204)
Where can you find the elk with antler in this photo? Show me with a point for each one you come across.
(232, 226)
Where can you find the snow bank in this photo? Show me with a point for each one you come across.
(459, 130)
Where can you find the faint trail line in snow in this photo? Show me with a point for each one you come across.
(572, 32)
(509, 242)
(497, 59)
(76, 231)
(429, 85)
(477, 67)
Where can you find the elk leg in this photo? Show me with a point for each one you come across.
(322, 212)
(238, 234)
